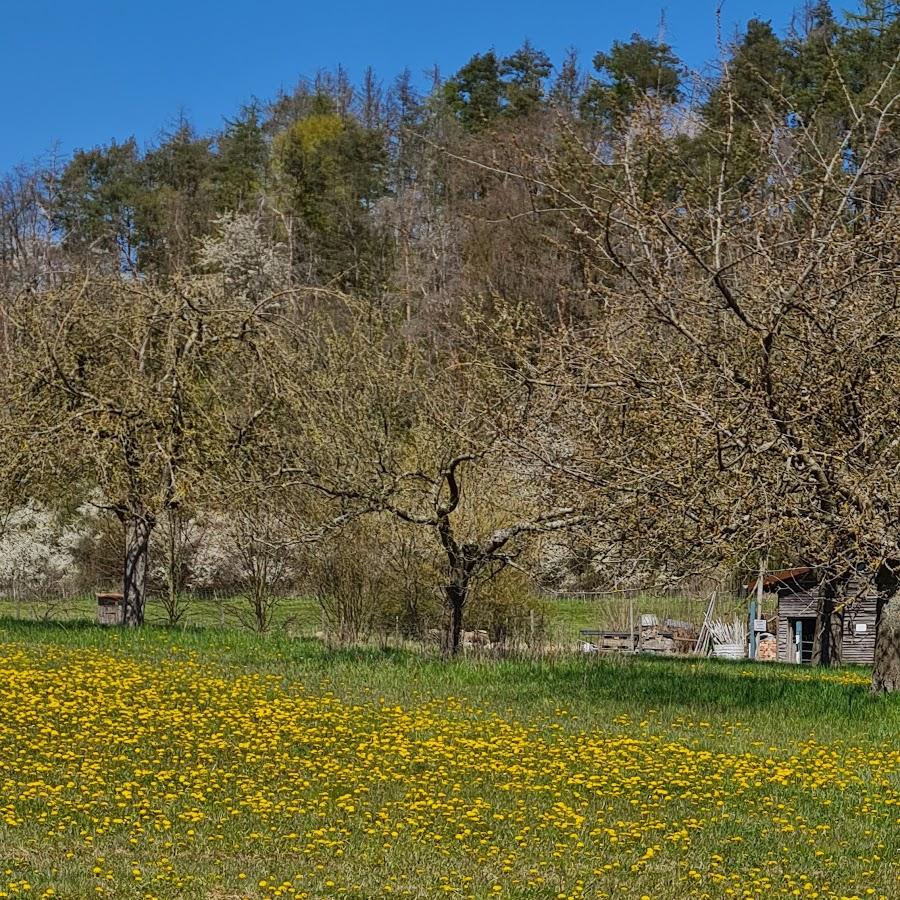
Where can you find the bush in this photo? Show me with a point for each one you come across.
(375, 577)
(509, 610)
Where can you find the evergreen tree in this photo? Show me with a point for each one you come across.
(102, 205)
(568, 84)
(628, 72)
(876, 16)
(525, 72)
(179, 174)
(870, 45)
(475, 94)
(240, 162)
(813, 83)
(755, 77)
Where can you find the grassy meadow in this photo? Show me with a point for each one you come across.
(563, 617)
(216, 763)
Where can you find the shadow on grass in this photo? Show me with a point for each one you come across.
(42, 627)
(688, 687)
(692, 686)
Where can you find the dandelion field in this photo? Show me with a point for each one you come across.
(210, 764)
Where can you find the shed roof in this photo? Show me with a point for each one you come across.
(780, 578)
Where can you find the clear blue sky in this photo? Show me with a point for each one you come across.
(80, 72)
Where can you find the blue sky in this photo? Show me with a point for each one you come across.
(75, 73)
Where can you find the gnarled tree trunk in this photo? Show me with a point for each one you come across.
(457, 592)
(886, 675)
(828, 640)
(138, 526)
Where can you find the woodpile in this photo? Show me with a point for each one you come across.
(685, 639)
(767, 648)
(657, 643)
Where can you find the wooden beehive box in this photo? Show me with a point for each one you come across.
(110, 609)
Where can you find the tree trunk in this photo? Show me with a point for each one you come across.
(886, 675)
(827, 643)
(173, 569)
(138, 526)
(456, 600)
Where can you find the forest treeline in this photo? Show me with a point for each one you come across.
(575, 323)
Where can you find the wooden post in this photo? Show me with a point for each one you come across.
(703, 636)
(763, 566)
(756, 607)
(752, 629)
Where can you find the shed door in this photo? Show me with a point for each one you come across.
(802, 633)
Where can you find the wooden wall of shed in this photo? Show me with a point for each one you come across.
(793, 606)
(859, 647)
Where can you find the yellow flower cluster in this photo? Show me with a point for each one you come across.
(847, 676)
(126, 778)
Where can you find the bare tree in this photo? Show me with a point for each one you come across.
(425, 432)
(749, 331)
(118, 385)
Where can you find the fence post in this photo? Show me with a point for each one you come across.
(631, 620)
(752, 629)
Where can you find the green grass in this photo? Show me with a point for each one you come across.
(569, 615)
(301, 616)
(194, 756)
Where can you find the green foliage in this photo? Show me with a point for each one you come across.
(487, 88)
(814, 84)
(475, 94)
(324, 154)
(567, 87)
(629, 72)
(869, 46)
(330, 171)
(755, 77)
(138, 211)
(102, 203)
(525, 72)
(240, 162)
(178, 175)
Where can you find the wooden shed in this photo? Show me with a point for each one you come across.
(110, 609)
(798, 592)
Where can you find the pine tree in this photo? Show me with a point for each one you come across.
(755, 77)
(870, 45)
(475, 94)
(629, 71)
(179, 175)
(525, 72)
(813, 84)
(240, 163)
(568, 85)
